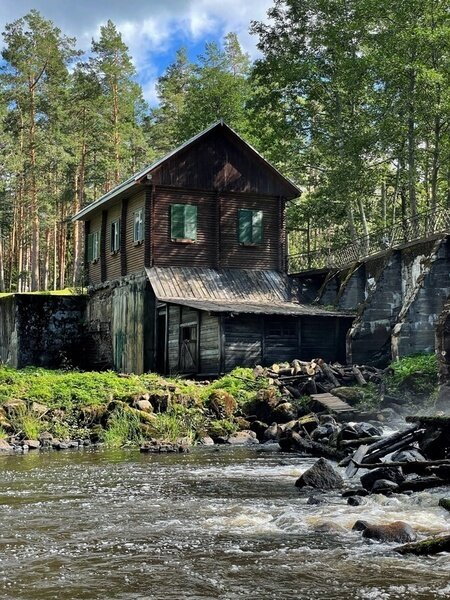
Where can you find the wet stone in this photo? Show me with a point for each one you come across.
(321, 476)
(390, 473)
(355, 501)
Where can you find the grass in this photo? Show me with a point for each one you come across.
(63, 292)
(124, 427)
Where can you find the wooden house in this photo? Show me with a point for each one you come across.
(186, 266)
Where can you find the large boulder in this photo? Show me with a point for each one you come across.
(408, 455)
(321, 476)
(398, 531)
(243, 438)
(393, 474)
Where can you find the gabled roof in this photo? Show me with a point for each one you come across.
(231, 290)
(138, 178)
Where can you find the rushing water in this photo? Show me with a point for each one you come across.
(224, 524)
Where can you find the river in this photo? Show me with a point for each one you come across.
(223, 523)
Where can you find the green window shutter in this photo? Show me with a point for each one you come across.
(90, 247)
(245, 226)
(177, 221)
(190, 221)
(257, 227)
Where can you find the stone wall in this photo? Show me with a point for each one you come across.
(398, 296)
(443, 354)
(41, 330)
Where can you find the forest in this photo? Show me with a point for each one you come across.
(348, 98)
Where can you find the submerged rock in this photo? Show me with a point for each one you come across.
(384, 486)
(321, 476)
(397, 531)
(445, 503)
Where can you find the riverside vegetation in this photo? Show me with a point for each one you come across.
(61, 409)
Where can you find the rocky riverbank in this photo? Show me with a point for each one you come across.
(42, 409)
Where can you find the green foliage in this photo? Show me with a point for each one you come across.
(3, 434)
(123, 427)
(177, 424)
(415, 374)
(240, 383)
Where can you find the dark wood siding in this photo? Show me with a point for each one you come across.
(281, 339)
(167, 253)
(209, 344)
(94, 268)
(135, 252)
(323, 337)
(243, 341)
(173, 341)
(235, 255)
(217, 243)
(220, 161)
(112, 260)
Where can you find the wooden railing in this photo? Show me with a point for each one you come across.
(423, 226)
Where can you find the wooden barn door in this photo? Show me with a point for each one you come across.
(188, 348)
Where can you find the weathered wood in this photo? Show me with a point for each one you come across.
(358, 376)
(332, 403)
(329, 374)
(409, 467)
(421, 483)
(398, 445)
(353, 466)
(293, 441)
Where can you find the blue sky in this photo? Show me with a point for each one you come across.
(152, 29)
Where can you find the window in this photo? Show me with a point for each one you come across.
(138, 235)
(250, 227)
(183, 222)
(93, 246)
(115, 236)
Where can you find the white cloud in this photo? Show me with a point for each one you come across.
(148, 26)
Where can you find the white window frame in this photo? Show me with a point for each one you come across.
(138, 226)
(115, 236)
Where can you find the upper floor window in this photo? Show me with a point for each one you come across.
(250, 227)
(183, 222)
(138, 230)
(93, 246)
(115, 235)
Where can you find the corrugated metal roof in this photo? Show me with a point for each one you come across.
(135, 179)
(230, 290)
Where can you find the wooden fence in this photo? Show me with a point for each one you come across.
(423, 226)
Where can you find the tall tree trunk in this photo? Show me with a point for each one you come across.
(436, 162)
(34, 210)
(115, 116)
(412, 174)
(2, 268)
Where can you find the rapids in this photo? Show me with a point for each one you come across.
(215, 524)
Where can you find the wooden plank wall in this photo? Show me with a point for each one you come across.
(127, 326)
(173, 342)
(113, 270)
(94, 268)
(209, 344)
(135, 252)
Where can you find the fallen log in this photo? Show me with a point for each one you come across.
(359, 441)
(293, 441)
(432, 545)
(358, 376)
(421, 483)
(402, 443)
(422, 464)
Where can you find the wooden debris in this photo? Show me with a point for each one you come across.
(332, 403)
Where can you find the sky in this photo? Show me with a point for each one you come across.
(152, 29)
